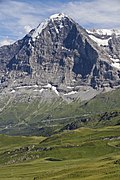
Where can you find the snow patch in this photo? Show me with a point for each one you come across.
(103, 42)
(90, 32)
(48, 86)
(55, 90)
(37, 90)
(115, 60)
(71, 93)
(41, 90)
(13, 91)
(22, 87)
(104, 32)
(56, 29)
(70, 87)
(52, 87)
(35, 85)
(59, 16)
(39, 29)
(61, 26)
(115, 63)
(63, 48)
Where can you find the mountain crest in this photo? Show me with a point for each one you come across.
(57, 23)
(58, 16)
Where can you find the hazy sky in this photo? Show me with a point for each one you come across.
(18, 17)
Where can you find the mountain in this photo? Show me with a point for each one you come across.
(59, 52)
(54, 75)
(59, 90)
(109, 39)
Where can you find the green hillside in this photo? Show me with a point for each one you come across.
(45, 118)
(85, 153)
(109, 101)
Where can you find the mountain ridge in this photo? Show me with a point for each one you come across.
(58, 51)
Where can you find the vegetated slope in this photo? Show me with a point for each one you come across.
(8, 143)
(102, 110)
(38, 117)
(104, 102)
(80, 154)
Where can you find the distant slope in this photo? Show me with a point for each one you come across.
(109, 101)
(38, 117)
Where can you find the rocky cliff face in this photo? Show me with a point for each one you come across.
(59, 52)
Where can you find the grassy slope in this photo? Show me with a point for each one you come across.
(28, 118)
(109, 101)
(43, 118)
(8, 143)
(80, 154)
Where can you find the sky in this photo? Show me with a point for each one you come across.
(18, 17)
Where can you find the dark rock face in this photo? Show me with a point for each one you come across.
(114, 46)
(84, 62)
(58, 51)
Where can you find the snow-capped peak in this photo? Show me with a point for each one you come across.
(102, 36)
(59, 16)
(104, 32)
(43, 25)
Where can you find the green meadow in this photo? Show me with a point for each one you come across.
(81, 154)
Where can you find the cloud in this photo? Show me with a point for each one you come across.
(99, 13)
(27, 28)
(6, 41)
(18, 17)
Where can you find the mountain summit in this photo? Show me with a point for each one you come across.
(53, 19)
(61, 53)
